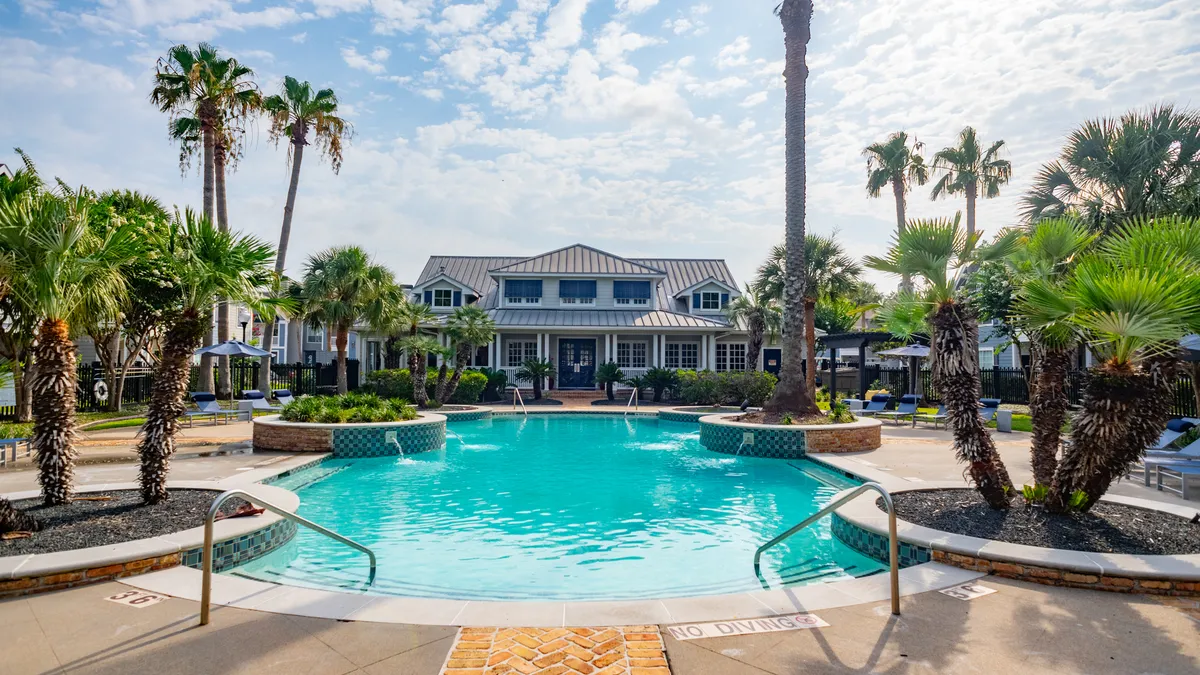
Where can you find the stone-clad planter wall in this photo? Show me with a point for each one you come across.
(692, 414)
(351, 440)
(465, 415)
(719, 433)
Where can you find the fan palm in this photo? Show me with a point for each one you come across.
(1143, 164)
(896, 162)
(469, 327)
(968, 168)
(208, 264)
(406, 318)
(829, 274)
(208, 98)
(608, 374)
(536, 371)
(791, 394)
(419, 346)
(1131, 301)
(66, 271)
(1041, 264)
(758, 313)
(939, 252)
(17, 328)
(295, 111)
(343, 287)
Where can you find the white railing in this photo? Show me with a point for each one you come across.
(511, 372)
(631, 372)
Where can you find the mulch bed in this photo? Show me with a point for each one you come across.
(82, 524)
(777, 418)
(1107, 528)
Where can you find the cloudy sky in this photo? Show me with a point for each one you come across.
(643, 127)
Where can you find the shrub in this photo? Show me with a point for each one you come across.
(699, 388)
(392, 383)
(497, 380)
(470, 387)
(660, 380)
(839, 413)
(753, 386)
(356, 407)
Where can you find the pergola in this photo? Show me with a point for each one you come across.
(859, 341)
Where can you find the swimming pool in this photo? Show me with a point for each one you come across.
(562, 507)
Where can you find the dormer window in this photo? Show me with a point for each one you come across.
(443, 297)
(523, 291)
(635, 293)
(709, 301)
(576, 292)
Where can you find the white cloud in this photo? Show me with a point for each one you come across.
(433, 94)
(635, 6)
(757, 98)
(715, 88)
(393, 16)
(734, 53)
(688, 22)
(372, 63)
(461, 18)
(299, 38)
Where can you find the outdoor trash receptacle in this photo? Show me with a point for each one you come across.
(1004, 420)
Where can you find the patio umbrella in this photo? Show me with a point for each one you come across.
(232, 348)
(913, 352)
(1190, 346)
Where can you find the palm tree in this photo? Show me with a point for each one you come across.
(342, 287)
(407, 318)
(1143, 164)
(66, 272)
(208, 98)
(1130, 301)
(829, 274)
(790, 394)
(469, 327)
(17, 328)
(759, 315)
(208, 264)
(939, 252)
(294, 111)
(900, 164)
(968, 168)
(1041, 264)
(608, 374)
(661, 380)
(536, 371)
(419, 346)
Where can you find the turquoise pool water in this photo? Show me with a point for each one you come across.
(575, 507)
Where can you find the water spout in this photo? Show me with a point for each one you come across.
(739, 450)
(390, 437)
(460, 438)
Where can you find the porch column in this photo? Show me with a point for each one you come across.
(703, 356)
(712, 351)
(540, 354)
(612, 355)
(662, 351)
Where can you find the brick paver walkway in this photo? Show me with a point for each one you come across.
(621, 650)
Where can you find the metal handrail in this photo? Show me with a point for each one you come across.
(207, 561)
(893, 542)
(633, 401)
(518, 397)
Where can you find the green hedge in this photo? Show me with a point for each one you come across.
(355, 407)
(728, 388)
(397, 383)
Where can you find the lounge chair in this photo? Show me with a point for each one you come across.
(877, 404)
(906, 409)
(988, 408)
(209, 407)
(1175, 429)
(1186, 456)
(257, 401)
(937, 418)
(14, 443)
(284, 396)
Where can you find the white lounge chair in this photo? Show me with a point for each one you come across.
(1187, 455)
(1175, 429)
(937, 418)
(907, 408)
(877, 404)
(209, 407)
(284, 396)
(256, 401)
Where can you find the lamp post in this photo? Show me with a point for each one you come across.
(244, 318)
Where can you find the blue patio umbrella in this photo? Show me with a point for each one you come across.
(913, 352)
(1190, 346)
(232, 348)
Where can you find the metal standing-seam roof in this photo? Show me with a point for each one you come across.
(602, 318)
(577, 259)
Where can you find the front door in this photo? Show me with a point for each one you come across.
(576, 364)
(772, 360)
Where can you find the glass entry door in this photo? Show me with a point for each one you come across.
(576, 364)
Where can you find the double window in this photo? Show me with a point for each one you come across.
(683, 355)
(443, 297)
(631, 293)
(731, 356)
(576, 292)
(709, 301)
(519, 352)
(631, 354)
(314, 338)
(523, 291)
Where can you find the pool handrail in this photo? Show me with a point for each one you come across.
(207, 553)
(518, 397)
(633, 401)
(893, 541)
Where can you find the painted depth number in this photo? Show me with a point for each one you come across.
(967, 591)
(138, 599)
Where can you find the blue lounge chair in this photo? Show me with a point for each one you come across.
(1175, 429)
(988, 408)
(906, 409)
(877, 404)
(252, 399)
(1187, 456)
(937, 418)
(14, 443)
(209, 407)
(284, 396)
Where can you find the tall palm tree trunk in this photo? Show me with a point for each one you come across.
(343, 337)
(898, 193)
(955, 370)
(972, 193)
(1195, 368)
(207, 115)
(23, 370)
(224, 376)
(1048, 407)
(461, 356)
(1124, 412)
(54, 411)
(791, 394)
(285, 235)
(754, 349)
(167, 403)
(810, 347)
